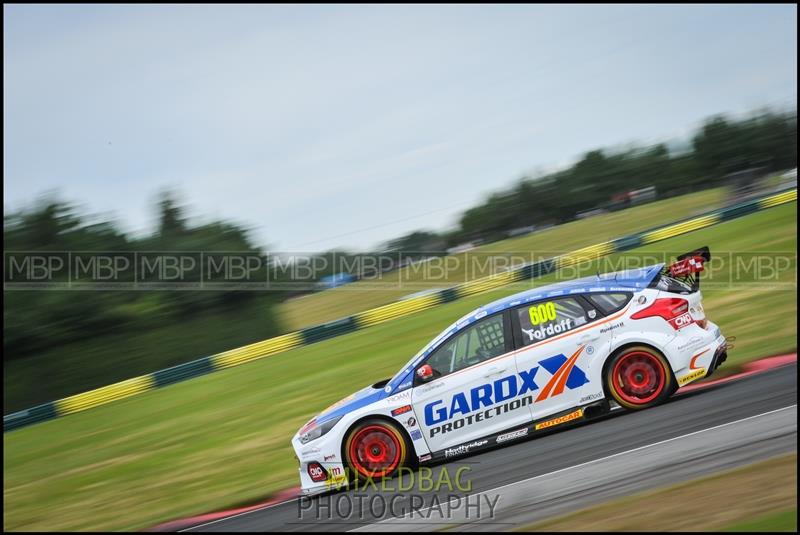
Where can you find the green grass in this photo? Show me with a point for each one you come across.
(97, 361)
(340, 302)
(223, 439)
(758, 497)
(781, 521)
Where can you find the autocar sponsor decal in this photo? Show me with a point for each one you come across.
(401, 410)
(574, 415)
(464, 448)
(416, 434)
(329, 457)
(502, 395)
(426, 457)
(512, 436)
(411, 422)
(692, 376)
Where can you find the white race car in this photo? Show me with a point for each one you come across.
(520, 366)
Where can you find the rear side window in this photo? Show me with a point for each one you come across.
(668, 284)
(610, 302)
(545, 319)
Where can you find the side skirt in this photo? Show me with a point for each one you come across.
(542, 426)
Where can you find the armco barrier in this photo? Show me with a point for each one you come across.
(279, 344)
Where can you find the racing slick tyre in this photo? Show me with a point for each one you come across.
(639, 377)
(376, 449)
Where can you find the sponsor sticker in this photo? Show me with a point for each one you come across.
(503, 395)
(574, 415)
(682, 321)
(329, 457)
(399, 397)
(692, 376)
(316, 472)
(612, 327)
(464, 448)
(513, 435)
(401, 410)
(336, 476)
(423, 458)
(411, 422)
(590, 397)
(416, 434)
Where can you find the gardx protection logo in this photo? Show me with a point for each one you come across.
(518, 388)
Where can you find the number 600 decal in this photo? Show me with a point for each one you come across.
(541, 313)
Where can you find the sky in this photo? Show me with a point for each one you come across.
(325, 126)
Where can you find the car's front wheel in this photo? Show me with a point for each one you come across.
(639, 377)
(375, 449)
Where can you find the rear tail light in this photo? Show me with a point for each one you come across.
(672, 309)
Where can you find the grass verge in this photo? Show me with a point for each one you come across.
(781, 521)
(748, 497)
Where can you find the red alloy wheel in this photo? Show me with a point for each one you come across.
(375, 451)
(639, 377)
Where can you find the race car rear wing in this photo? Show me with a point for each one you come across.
(687, 267)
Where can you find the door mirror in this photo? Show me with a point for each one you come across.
(425, 373)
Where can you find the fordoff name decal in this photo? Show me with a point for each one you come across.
(503, 395)
(692, 376)
(546, 331)
(464, 448)
(574, 415)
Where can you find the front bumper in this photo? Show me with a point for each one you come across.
(326, 453)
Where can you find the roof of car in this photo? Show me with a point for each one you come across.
(628, 280)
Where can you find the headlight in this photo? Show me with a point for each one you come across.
(318, 430)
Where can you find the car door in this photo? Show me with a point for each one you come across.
(472, 390)
(558, 336)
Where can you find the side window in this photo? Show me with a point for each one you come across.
(545, 319)
(610, 302)
(481, 341)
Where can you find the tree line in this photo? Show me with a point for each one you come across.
(61, 324)
(720, 147)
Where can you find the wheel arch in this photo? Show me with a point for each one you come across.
(617, 350)
(411, 457)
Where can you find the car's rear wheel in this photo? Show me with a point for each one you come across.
(639, 377)
(375, 449)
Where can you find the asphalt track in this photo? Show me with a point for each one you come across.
(695, 433)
